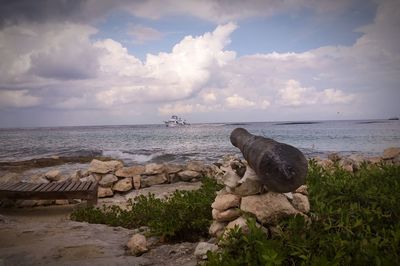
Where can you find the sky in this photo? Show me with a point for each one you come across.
(100, 62)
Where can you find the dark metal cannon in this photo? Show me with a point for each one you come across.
(281, 167)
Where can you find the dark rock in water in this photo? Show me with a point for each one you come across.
(281, 167)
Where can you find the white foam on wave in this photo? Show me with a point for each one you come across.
(126, 156)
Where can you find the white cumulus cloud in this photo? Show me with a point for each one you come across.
(17, 99)
(293, 94)
(237, 102)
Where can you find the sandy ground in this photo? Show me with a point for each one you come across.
(46, 236)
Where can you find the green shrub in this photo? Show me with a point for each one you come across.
(185, 215)
(354, 221)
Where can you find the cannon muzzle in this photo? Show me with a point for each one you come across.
(281, 167)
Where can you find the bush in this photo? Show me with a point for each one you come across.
(354, 221)
(185, 215)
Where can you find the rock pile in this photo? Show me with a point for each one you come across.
(244, 195)
(113, 177)
(353, 162)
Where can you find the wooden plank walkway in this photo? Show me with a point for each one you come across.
(55, 190)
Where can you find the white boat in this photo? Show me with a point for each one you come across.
(176, 121)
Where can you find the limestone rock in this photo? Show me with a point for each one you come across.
(148, 181)
(391, 153)
(303, 189)
(137, 245)
(153, 169)
(75, 177)
(375, 160)
(239, 222)
(104, 167)
(216, 228)
(301, 203)
(173, 168)
(269, 207)
(327, 163)
(103, 192)
(188, 175)
(108, 180)
(225, 216)
(123, 185)
(136, 181)
(226, 201)
(202, 248)
(97, 177)
(53, 175)
(357, 160)
(334, 157)
(239, 167)
(249, 187)
(196, 166)
(130, 171)
(88, 178)
(230, 178)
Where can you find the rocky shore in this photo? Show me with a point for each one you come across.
(84, 244)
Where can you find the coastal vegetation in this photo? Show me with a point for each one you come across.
(185, 215)
(354, 220)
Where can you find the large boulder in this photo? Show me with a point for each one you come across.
(104, 167)
(123, 185)
(108, 180)
(226, 201)
(153, 169)
(225, 216)
(196, 166)
(249, 187)
(103, 192)
(216, 228)
(391, 153)
(130, 171)
(240, 223)
(173, 168)
(148, 181)
(137, 245)
(188, 175)
(268, 208)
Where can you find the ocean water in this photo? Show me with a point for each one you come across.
(208, 142)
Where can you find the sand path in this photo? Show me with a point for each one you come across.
(46, 236)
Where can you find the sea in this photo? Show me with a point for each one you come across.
(141, 144)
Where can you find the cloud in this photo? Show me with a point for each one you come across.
(170, 76)
(236, 101)
(218, 11)
(17, 99)
(169, 109)
(293, 94)
(228, 10)
(57, 51)
(60, 65)
(142, 34)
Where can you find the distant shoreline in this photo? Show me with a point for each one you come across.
(240, 123)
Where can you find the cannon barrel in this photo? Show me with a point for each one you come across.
(281, 167)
